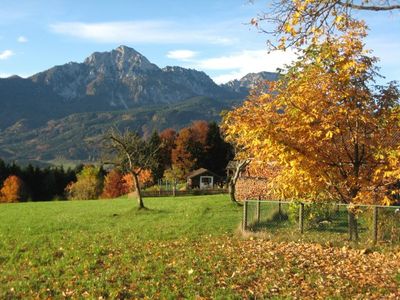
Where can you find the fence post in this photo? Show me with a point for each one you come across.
(258, 215)
(174, 188)
(244, 224)
(301, 218)
(280, 210)
(375, 223)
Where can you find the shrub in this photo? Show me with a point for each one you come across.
(316, 214)
(89, 184)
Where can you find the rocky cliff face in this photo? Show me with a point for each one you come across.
(123, 78)
(250, 81)
(107, 81)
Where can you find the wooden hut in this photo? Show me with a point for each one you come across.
(202, 179)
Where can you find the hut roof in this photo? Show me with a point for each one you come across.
(199, 172)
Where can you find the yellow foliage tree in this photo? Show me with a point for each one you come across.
(330, 133)
(89, 184)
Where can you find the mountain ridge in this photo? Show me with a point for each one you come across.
(39, 111)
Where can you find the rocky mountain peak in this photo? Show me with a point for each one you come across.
(249, 81)
(123, 59)
(123, 78)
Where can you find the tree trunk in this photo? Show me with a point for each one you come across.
(231, 189)
(353, 226)
(138, 191)
(240, 166)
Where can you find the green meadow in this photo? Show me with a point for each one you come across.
(183, 247)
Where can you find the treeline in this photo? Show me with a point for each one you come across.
(33, 183)
(195, 146)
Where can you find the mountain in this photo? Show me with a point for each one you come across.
(61, 113)
(248, 82)
(123, 79)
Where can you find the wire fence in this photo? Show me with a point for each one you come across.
(323, 221)
(174, 193)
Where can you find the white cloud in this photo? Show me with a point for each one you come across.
(5, 75)
(185, 55)
(22, 39)
(6, 54)
(241, 63)
(156, 32)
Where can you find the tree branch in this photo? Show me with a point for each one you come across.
(368, 7)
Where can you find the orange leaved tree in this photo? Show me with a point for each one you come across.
(145, 179)
(12, 190)
(329, 131)
(114, 185)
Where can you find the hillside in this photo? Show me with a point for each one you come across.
(61, 113)
(77, 136)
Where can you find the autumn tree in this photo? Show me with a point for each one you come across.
(181, 155)
(217, 152)
(132, 154)
(145, 180)
(168, 137)
(174, 174)
(190, 150)
(297, 22)
(200, 133)
(114, 185)
(12, 190)
(333, 134)
(89, 184)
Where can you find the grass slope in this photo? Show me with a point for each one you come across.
(166, 218)
(179, 248)
(77, 136)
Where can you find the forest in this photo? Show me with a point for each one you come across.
(178, 153)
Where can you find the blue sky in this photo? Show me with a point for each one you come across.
(208, 35)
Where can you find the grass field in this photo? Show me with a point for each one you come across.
(184, 247)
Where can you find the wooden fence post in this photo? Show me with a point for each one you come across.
(375, 224)
(258, 215)
(244, 224)
(301, 218)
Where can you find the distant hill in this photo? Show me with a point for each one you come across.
(77, 136)
(62, 112)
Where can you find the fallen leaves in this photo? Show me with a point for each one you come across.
(210, 267)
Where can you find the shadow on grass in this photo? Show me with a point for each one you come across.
(271, 225)
(141, 212)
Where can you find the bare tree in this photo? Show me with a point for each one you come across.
(132, 154)
(294, 22)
